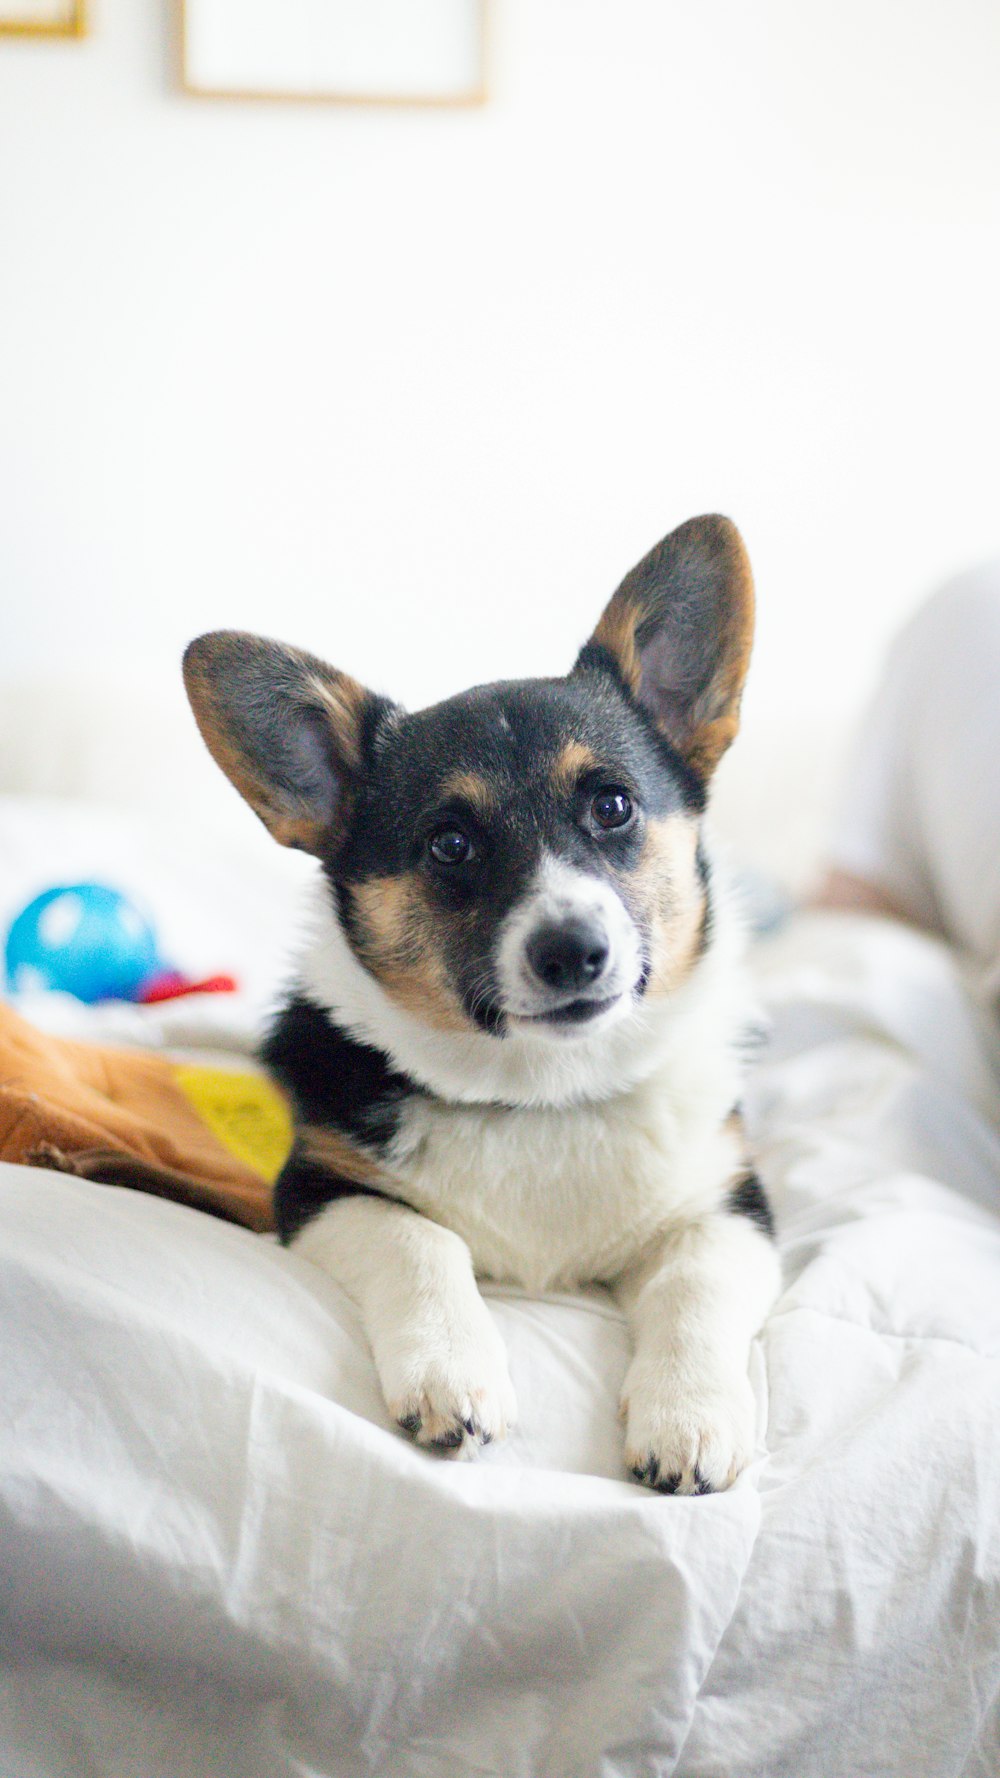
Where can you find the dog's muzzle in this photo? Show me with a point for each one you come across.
(569, 952)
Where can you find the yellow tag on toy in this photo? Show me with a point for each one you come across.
(244, 1111)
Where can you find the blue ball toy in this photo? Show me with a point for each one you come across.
(84, 939)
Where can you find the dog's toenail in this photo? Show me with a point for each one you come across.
(448, 1441)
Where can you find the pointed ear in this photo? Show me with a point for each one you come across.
(678, 633)
(285, 728)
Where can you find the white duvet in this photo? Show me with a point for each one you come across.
(217, 1557)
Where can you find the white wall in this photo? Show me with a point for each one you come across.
(415, 389)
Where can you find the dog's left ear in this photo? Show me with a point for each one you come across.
(678, 633)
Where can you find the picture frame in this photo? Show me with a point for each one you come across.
(43, 18)
(343, 52)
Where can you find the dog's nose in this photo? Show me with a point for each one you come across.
(570, 955)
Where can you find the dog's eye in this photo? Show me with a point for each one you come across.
(449, 845)
(611, 808)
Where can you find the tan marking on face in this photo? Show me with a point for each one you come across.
(671, 899)
(570, 765)
(467, 787)
(336, 1152)
(400, 943)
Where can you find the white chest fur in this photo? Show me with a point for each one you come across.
(552, 1198)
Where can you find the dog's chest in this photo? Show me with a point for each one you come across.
(552, 1198)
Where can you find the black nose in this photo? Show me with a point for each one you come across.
(571, 955)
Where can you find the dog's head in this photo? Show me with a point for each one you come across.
(524, 857)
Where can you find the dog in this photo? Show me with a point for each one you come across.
(514, 1047)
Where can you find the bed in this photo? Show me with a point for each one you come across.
(217, 1556)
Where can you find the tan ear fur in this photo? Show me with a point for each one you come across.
(680, 631)
(283, 726)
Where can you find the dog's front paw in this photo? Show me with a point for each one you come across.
(456, 1398)
(686, 1437)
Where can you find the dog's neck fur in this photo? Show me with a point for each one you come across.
(704, 1017)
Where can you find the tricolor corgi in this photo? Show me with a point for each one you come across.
(514, 1047)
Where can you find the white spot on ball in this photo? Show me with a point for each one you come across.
(28, 980)
(59, 921)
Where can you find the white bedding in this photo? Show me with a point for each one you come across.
(217, 1556)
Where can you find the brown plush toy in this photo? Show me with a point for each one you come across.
(208, 1137)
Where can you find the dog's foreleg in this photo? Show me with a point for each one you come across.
(440, 1361)
(694, 1305)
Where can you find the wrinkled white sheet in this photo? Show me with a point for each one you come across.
(216, 1556)
(200, 1482)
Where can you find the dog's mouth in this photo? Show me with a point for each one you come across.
(572, 1013)
(495, 1018)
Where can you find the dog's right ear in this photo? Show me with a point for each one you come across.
(286, 729)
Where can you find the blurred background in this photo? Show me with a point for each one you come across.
(414, 387)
